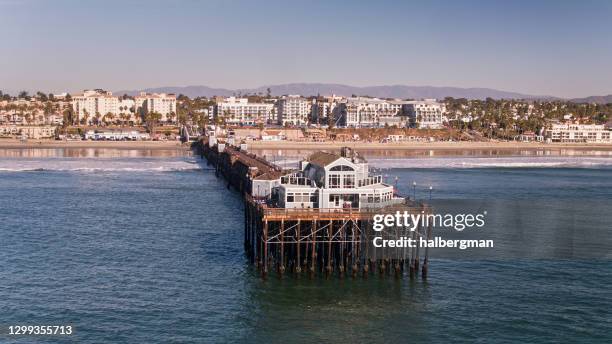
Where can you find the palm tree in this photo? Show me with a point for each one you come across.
(151, 121)
(169, 117)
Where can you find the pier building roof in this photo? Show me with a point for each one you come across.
(323, 158)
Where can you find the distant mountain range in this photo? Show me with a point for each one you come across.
(392, 91)
(594, 99)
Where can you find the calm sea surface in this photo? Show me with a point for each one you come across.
(146, 247)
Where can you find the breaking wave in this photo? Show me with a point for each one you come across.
(99, 165)
(493, 162)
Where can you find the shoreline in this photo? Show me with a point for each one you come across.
(308, 146)
(56, 144)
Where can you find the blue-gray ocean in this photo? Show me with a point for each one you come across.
(146, 247)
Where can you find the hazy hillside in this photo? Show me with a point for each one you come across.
(312, 89)
(594, 99)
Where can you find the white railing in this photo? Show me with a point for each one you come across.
(365, 203)
(370, 180)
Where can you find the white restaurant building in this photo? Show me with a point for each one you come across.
(333, 181)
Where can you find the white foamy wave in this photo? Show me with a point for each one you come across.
(97, 165)
(491, 162)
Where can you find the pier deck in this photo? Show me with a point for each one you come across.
(314, 240)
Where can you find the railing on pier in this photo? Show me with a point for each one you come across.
(364, 213)
(364, 203)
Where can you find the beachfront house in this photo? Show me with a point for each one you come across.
(332, 181)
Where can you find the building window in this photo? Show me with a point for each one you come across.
(341, 168)
(334, 181)
(349, 181)
(313, 197)
(334, 200)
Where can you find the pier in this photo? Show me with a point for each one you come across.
(318, 230)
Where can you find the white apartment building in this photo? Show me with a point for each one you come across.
(240, 111)
(424, 114)
(99, 102)
(162, 103)
(362, 112)
(92, 102)
(333, 181)
(126, 106)
(293, 110)
(591, 133)
(28, 131)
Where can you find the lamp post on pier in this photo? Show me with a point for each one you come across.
(430, 189)
(414, 191)
(396, 180)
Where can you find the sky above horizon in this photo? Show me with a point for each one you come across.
(558, 48)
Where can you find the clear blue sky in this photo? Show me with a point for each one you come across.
(561, 48)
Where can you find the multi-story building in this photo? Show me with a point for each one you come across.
(368, 112)
(324, 109)
(127, 107)
(240, 111)
(27, 131)
(293, 110)
(424, 114)
(162, 103)
(578, 133)
(92, 103)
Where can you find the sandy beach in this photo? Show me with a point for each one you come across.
(295, 145)
(17, 144)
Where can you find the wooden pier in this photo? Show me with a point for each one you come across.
(313, 241)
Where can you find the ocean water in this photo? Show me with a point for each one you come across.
(146, 247)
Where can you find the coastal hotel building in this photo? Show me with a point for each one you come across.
(373, 112)
(241, 111)
(92, 102)
(287, 110)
